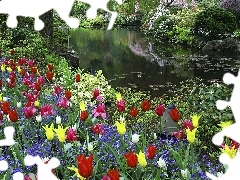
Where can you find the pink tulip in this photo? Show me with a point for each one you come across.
(47, 110)
(100, 111)
(63, 103)
(188, 124)
(71, 134)
(29, 111)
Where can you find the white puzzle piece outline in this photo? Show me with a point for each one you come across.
(35, 8)
(231, 131)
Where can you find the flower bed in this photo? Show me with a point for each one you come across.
(92, 129)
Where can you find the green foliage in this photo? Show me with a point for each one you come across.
(236, 34)
(213, 23)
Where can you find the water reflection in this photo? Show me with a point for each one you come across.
(129, 59)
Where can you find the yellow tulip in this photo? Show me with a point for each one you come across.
(229, 151)
(19, 69)
(49, 132)
(1, 97)
(121, 127)
(191, 135)
(77, 173)
(3, 68)
(36, 103)
(119, 97)
(61, 133)
(9, 69)
(142, 159)
(195, 119)
(82, 106)
(225, 124)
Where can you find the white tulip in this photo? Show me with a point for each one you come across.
(161, 163)
(39, 118)
(90, 146)
(135, 138)
(58, 120)
(184, 173)
(19, 104)
(155, 136)
(5, 99)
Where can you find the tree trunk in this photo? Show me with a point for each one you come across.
(47, 31)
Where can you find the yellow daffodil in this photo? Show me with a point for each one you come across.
(9, 69)
(3, 68)
(19, 69)
(77, 173)
(121, 127)
(229, 151)
(142, 159)
(119, 97)
(191, 135)
(195, 120)
(82, 106)
(60, 131)
(225, 124)
(36, 103)
(49, 132)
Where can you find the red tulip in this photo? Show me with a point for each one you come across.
(13, 115)
(174, 114)
(77, 77)
(160, 110)
(50, 67)
(68, 94)
(96, 93)
(13, 67)
(11, 62)
(23, 72)
(131, 159)
(85, 165)
(97, 129)
(235, 144)
(188, 124)
(49, 75)
(28, 104)
(0, 83)
(12, 52)
(34, 70)
(146, 105)
(151, 152)
(113, 174)
(120, 105)
(37, 86)
(12, 79)
(11, 85)
(133, 112)
(5, 106)
(83, 115)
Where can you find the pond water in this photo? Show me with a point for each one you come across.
(130, 59)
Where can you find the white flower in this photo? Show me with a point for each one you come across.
(39, 118)
(90, 146)
(184, 173)
(8, 80)
(155, 136)
(5, 98)
(69, 103)
(19, 104)
(58, 120)
(135, 138)
(161, 163)
(122, 118)
(8, 118)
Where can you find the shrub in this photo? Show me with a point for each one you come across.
(213, 23)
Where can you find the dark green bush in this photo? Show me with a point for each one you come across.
(213, 23)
